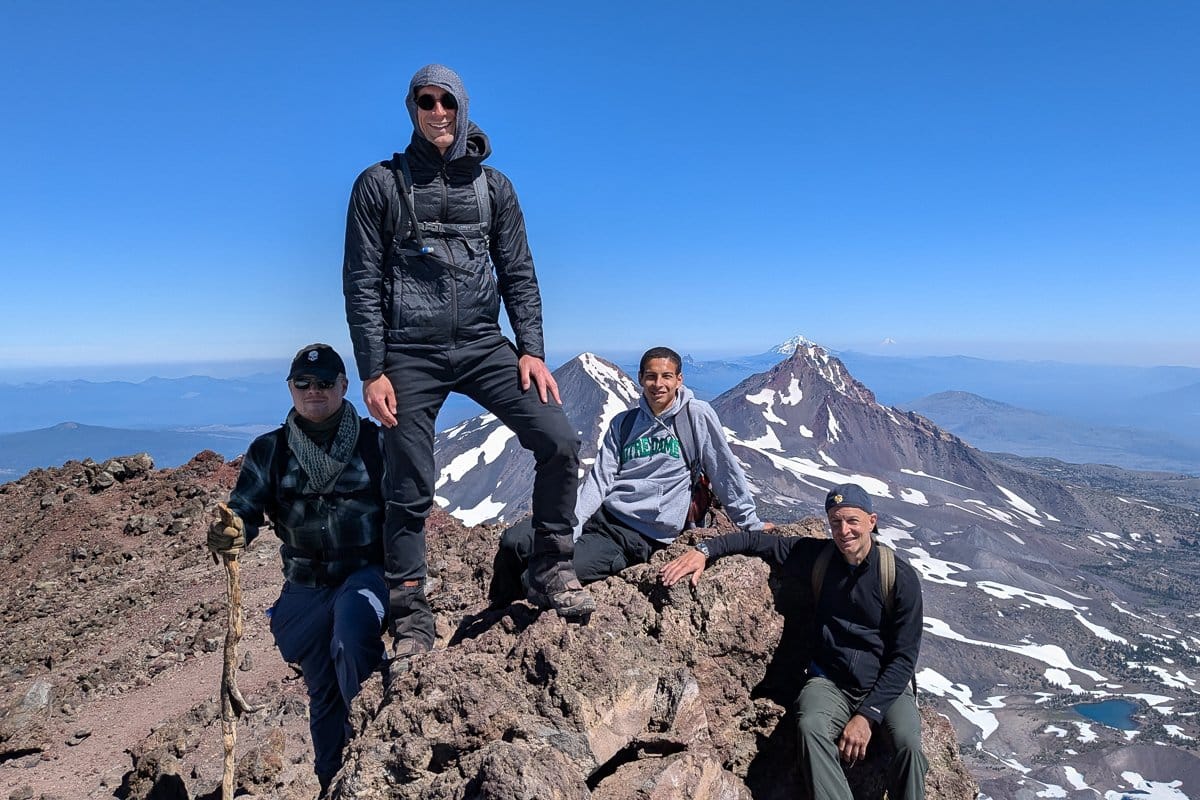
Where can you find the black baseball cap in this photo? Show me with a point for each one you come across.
(318, 360)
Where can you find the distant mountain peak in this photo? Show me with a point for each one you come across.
(812, 357)
(789, 346)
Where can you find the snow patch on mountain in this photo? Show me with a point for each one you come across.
(958, 695)
(620, 394)
(486, 453)
(920, 474)
(766, 399)
(1049, 654)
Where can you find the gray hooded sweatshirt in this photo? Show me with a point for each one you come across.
(645, 481)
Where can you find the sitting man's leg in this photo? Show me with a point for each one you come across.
(512, 558)
(906, 776)
(823, 712)
(596, 556)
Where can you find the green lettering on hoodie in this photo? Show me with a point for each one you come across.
(647, 446)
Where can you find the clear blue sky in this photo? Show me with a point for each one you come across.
(1002, 179)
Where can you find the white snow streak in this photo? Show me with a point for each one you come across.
(959, 696)
(486, 453)
(1049, 654)
(766, 399)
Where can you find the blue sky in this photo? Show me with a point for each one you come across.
(1000, 179)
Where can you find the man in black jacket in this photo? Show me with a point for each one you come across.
(317, 479)
(866, 643)
(434, 241)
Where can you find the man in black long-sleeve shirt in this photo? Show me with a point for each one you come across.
(865, 649)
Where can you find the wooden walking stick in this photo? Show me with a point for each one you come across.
(233, 704)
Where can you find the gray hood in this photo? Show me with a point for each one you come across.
(447, 79)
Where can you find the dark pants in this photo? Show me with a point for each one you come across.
(605, 547)
(824, 710)
(333, 633)
(487, 373)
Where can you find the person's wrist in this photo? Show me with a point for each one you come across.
(702, 548)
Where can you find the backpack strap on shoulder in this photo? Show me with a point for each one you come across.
(686, 435)
(624, 431)
(483, 200)
(405, 221)
(887, 579)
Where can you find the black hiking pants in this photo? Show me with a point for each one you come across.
(486, 372)
(605, 547)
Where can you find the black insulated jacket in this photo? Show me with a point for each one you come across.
(397, 298)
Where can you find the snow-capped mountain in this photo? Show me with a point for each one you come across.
(807, 424)
(484, 475)
(1039, 593)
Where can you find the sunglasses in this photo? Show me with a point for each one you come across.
(302, 384)
(426, 102)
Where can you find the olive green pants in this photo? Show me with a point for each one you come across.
(824, 710)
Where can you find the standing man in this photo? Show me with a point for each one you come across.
(864, 653)
(637, 497)
(434, 241)
(317, 479)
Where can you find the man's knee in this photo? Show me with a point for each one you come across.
(518, 540)
(814, 727)
(907, 744)
(552, 438)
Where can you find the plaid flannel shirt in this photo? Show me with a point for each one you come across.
(327, 536)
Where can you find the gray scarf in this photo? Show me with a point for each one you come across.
(320, 468)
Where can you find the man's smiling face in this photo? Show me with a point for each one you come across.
(437, 123)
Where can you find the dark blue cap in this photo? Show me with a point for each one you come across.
(848, 494)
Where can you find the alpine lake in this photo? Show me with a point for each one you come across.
(1113, 713)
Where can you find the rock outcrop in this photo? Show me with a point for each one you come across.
(666, 693)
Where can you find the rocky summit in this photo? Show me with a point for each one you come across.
(110, 664)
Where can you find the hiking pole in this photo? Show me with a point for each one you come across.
(233, 704)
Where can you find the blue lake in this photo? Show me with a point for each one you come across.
(1113, 713)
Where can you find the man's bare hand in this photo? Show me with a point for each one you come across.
(533, 370)
(380, 397)
(690, 563)
(768, 526)
(853, 742)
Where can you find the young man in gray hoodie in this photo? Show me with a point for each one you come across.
(636, 498)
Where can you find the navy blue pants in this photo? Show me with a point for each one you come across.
(487, 373)
(333, 633)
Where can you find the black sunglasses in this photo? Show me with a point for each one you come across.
(426, 102)
(304, 383)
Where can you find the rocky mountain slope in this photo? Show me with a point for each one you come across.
(110, 661)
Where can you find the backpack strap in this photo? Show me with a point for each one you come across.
(887, 579)
(624, 431)
(687, 442)
(403, 220)
(483, 200)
